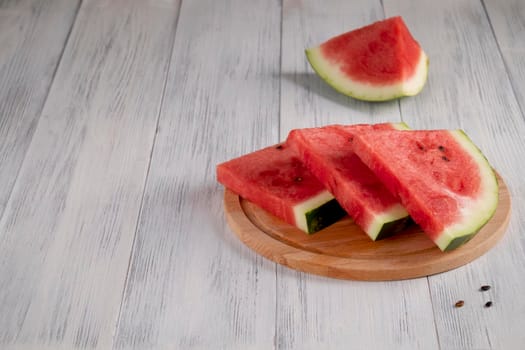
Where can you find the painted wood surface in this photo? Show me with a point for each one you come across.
(192, 283)
(113, 115)
(32, 36)
(507, 20)
(469, 88)
(68, 227)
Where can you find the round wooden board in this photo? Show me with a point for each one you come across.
(344, 251)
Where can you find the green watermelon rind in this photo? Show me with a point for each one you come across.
(484, 206)
(392, 227)
(317, 212)
(387, 223)
(323, 216)
(338, 80)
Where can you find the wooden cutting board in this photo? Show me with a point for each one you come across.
(344, 251)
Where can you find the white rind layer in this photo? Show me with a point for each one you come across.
(396, 212)
(335, 77)
(302, 208)
(475, 212)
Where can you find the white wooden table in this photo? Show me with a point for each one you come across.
(113, 116)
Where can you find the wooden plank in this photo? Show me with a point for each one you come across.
(192, 283)
(32, 36)
(507, 20)
(468, 88)
(316, 312)
(68, 228)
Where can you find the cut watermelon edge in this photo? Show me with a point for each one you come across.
(302, 210)
(324, 216)
(335, 77)
(387, 223)
(394, 219)
(481, 209)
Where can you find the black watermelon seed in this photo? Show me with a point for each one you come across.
(459, 303)
(484, 288)
(445, 159)
(279, 147)
(488, 304)
(441, 148)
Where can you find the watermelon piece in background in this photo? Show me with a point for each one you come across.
(440, 176)
(275, 179)
(326, 152)
(378, 62)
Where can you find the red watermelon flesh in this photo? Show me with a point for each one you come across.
(326, 153)
(276, 180)
(440, 176)
(380, 61)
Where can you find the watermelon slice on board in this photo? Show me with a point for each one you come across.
(443, 180)
(325, 151)
(378, 62)
(276, 180)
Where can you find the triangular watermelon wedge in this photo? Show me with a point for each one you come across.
(378, 62)
(275, 180)
(326, 152)
(443, 180)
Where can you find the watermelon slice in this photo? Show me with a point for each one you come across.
(325, 152)
(275, 179)
(377, 62)
(440, 176)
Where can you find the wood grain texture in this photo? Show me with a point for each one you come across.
(68, 227)
(469, 88)
(317, 312)
(344, 251)
(192, 284)
(507, 20)
(32, 36)
(75, 148)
